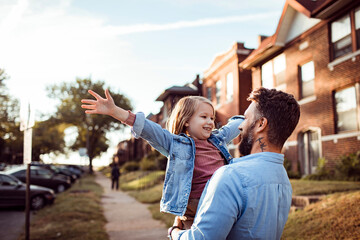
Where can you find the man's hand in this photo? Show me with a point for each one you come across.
(175, 232)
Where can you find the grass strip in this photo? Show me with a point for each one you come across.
(309, 187)
(148, 180)
(76, 214)
(335, 217)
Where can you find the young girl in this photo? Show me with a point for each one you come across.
(193, 148)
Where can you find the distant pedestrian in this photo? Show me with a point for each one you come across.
(193, 148)
(115, 174)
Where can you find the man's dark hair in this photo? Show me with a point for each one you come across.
(281, 111)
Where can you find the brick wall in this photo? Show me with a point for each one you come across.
(319, 113)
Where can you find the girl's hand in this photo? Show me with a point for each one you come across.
(100, 105)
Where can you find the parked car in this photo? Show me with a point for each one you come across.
(13, 193)
(41, 177)
(58, 171)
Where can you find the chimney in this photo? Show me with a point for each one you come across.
(260, 39)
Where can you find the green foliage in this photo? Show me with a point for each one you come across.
(153, 161)
(92, 129)
(349, 167)
(48, 137)
(11, 138)
(147, 165)
(288, 167)
(321, 173)
(147, 180)
(130, 167)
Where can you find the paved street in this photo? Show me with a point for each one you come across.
(12, 223)
(127, 218)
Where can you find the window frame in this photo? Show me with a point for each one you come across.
(218, 92)
(354, 41)
(301, 80)
(271, 62)
(229, 96)
(357, 99)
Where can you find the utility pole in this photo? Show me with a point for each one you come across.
(27, 121)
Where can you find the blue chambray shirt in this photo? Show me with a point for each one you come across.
(180, 151)
(248, 199)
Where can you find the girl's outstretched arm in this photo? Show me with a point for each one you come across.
(104, 106)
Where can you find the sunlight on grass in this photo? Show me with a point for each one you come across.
(335, 217)
(76, 214)
(308, 187)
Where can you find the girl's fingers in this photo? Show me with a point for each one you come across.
(107, 94)
(88, 101)
(90, 112)
(97, 96)
(88, 106)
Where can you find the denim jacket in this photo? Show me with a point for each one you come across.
(180, 151)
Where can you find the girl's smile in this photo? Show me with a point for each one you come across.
(201, 122)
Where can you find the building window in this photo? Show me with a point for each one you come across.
(346, 109)
(218, 92)
(307, 76)
(208, 93)
(273, 72)
(357, 27)
(229, 87)
(341, 34)
(279, 69)
(267, 75)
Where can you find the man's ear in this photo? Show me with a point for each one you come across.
(186, 124)
(262, 124)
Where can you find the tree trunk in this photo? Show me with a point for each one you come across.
(90, 165)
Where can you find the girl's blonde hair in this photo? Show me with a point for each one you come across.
(183, 111)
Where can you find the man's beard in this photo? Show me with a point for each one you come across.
(247, 141)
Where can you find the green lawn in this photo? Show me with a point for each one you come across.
(76, 214)
(308, 187)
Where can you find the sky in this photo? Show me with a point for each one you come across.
(138, 48)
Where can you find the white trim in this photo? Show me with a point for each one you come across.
(344, 58)
(335, 137)
(307, 100)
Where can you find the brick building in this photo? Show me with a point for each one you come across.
(228, 86)
(315, 55)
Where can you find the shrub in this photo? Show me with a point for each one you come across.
(130, 167)
(147, 164)
(349, 167)
(321, 173)
(288, 167)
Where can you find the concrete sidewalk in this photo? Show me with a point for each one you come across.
(127, 218)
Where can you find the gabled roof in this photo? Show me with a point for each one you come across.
(310, 8)
(178, 90)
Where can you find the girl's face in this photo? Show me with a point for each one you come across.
(201, 122)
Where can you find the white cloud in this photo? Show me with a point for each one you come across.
(147, 27)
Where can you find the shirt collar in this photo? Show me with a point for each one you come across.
(267, 156)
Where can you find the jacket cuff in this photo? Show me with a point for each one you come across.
(138, 124)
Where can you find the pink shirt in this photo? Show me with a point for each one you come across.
(207, 160)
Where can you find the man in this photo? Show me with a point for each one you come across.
(251, 197)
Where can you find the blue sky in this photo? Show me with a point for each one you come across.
(139, 48)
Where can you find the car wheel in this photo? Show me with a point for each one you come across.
(60, 188)
(37, 202)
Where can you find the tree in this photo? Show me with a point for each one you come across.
(92, 129)
(48, 137)
(10, 135)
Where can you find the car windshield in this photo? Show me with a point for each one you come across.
(8, 181)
